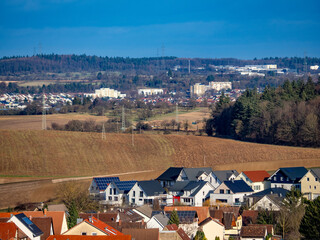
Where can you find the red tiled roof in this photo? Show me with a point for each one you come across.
(8, 230)
(81, 237)
(268, 226)
(253, 231)
(103, 226)
(182, 234)
(142, 234)
(57, 218)
(104, 217)
(172, 227)
(211, 219)
(44, 223)
(249, 216)
(257, 176)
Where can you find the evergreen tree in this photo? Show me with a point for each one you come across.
(310, 224)
(200, 235)
(73, 215)
(174, 218)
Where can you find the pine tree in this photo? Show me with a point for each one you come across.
(73, 215)
(310, 224)
(174, 218)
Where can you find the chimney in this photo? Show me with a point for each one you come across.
(30, 218)
(45, 211)
(119, 222)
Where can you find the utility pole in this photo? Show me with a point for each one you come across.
(44, 118)
(123, 128)
(177, 115)
(189, 67)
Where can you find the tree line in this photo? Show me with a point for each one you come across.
(286, 115)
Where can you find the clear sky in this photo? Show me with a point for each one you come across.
(199, 28)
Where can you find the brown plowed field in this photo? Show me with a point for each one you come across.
(37, 154)
(34, 122)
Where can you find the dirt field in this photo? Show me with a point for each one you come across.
(38, 154)
(34, 122)
(192, 116)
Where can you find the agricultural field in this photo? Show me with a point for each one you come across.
(34, 122)
(41, 156)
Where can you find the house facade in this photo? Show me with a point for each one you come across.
(144, 192)
(257, 180)
(212, 228)
(310, 184)
(230, 192)
(99, 184)
(116, 192)
(287, 177)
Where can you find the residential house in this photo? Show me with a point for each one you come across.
(59, 219)
(269, 199)
(94, 227)
(175, 174)
(310, 184)
(172, 175)
(99, 184)
(128, 215)
(231, 193)
(191, 193)
(288, 177)
(230, 218)
(144, 211)
(221, 176)
(202, 212)
(144, 192)
(255, 232)
(179, 233)
(212, 228)
(26, 226)
(257, 180)
(158, 220)
(142, 234)
(116, 192)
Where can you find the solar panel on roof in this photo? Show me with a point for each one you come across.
(27, 220)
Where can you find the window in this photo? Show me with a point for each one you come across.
(270, 204)
(116, 198)
(133, 200)
(110, 191)
(110, 198)
(256, 187)
(221, 191)
(237, 200)
(308, 179)
(309, 186)
(140, 199)
(316, 179)
(275, 186)
(83, 233)
(287, 179)
(114, 191)
(275, 178)
(228, 191)
(315, 187)
(203, 193)
(141, 193)
(94, 234)
(187, 200)
(134, 193)
(281, 179)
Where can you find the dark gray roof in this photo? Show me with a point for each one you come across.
(188, 186)
(294, 173)
(178, 186)
(225, 174)
(29, 224)
(162, 218)
(316, 171)
(146, 210)
(171, 174)
(151, 188)
(200, 186)
(194, 173)
(237, 186)
(281, 192)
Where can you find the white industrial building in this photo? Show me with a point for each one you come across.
(199, 89)
(106, 92)
(150, 91)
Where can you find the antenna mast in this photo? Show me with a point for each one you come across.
(44, 119)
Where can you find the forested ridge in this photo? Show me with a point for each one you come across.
(287, 115)
(77, 63)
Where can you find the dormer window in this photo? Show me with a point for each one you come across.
(275, 178)
(281, 179)
(308, 179)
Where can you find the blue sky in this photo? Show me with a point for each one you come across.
(183, 28)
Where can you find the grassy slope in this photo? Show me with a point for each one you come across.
(52, 153)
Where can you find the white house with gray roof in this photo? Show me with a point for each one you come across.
(144, 192)
(191, 193)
